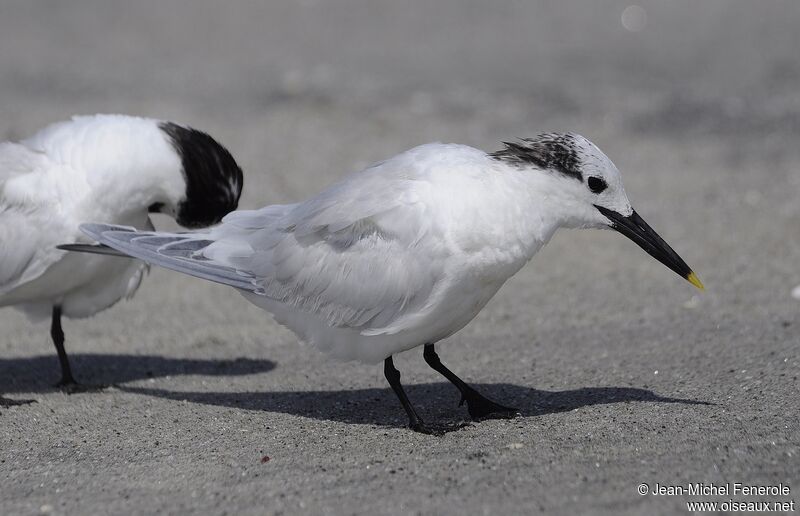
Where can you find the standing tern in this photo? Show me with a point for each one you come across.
(408, 251)
(102, 167)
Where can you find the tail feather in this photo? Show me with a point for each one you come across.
(175, 251)
(92, 249)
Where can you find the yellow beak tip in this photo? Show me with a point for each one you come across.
(694, 280)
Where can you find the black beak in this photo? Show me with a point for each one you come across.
(634, 227)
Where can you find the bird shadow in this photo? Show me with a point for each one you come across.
(434, 401)
(40, 373)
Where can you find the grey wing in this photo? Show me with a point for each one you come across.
(353, 264)
(176, 251)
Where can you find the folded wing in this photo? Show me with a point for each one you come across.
(349, 256)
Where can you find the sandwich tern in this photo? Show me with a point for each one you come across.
(101, 167)
(408, 251)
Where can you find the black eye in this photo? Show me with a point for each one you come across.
(596, 184)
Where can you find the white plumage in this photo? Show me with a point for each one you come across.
(404, 253)
(63, 176)
(103, 167)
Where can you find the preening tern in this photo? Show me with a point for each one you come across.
(408, 251)
(102, 167)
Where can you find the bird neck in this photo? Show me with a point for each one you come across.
(517, 213)
(146, 182)
(124, 164)
(536, 205)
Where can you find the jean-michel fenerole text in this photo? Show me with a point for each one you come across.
(726, 489)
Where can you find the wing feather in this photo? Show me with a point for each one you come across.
(349, 255)
(163, 249)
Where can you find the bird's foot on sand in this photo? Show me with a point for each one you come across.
(481, 408)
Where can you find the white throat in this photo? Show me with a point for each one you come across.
(517, 213)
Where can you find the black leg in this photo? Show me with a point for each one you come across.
(393, 377)
(479, 407)
(67, 380)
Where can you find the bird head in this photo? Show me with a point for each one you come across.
(213, 178)
(589, 185)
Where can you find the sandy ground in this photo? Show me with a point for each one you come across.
(622, 372)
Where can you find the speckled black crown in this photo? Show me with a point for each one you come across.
(551, 151)
(213, 178)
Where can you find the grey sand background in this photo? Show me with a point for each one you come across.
(605, 351)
